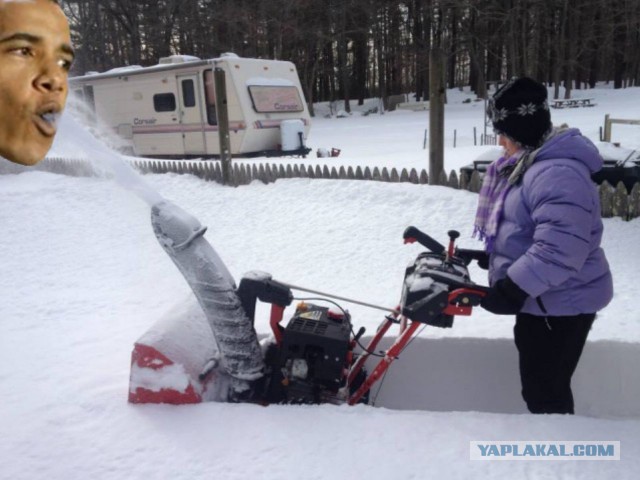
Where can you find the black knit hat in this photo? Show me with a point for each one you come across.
(519, 110)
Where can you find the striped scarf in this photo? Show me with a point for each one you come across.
(495, 187)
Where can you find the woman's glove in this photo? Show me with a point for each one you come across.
(504, 298)
(467, 256)
(483, 261)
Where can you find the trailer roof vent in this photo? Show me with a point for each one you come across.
(229, 55)
(173, 59)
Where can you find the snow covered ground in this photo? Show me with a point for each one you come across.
(83, 277)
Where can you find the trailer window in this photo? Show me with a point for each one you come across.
(164, 102)
(273, 98)
(188, 93)
(210, 97)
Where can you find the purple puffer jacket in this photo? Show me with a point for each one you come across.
(548, 240)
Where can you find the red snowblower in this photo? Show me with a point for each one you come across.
(212, 353)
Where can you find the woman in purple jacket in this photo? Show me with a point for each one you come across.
(539, 215)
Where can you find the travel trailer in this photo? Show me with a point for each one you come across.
(169, 110)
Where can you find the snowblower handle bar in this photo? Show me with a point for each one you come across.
(412, 234)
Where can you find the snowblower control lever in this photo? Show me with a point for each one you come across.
(412, 235)
(260, 286)
(453, 235)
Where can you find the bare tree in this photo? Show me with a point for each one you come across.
(357, 48)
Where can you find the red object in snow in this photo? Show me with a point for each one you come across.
(168, 361)
(145, 357)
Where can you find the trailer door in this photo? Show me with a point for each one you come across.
(191, 114)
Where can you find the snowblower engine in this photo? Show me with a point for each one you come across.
(309, 359)
(312, 363)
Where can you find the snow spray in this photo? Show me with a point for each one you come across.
(75, 140)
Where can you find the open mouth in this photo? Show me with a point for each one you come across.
(46, 121)
(50, 117)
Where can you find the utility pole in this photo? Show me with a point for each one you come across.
(436, 114)
(223, 124)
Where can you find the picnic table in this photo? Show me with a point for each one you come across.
(573, 103)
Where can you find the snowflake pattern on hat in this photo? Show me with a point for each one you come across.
(500, 114)
(528, 109)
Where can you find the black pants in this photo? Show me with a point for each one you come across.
(549, 349)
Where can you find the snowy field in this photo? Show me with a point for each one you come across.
(83, 277)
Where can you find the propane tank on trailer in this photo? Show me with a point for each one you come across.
(291, 135)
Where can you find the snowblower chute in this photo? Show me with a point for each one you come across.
(213, 353)
(168, 349)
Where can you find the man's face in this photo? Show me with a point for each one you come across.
(35, 56)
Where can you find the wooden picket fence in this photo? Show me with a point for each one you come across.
(63, 166)
(615, 201)
(244, 174)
